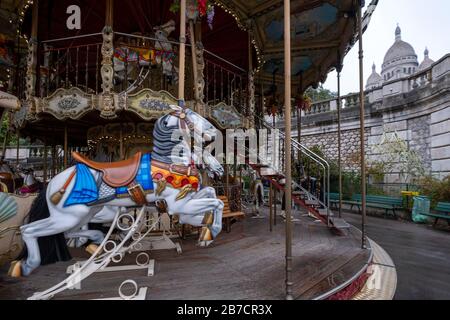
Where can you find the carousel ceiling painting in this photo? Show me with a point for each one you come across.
(322, 33)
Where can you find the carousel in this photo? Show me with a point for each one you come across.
(113, 88)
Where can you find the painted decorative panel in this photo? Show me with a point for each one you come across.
(226, 116)
(149, 104)
(68, 103)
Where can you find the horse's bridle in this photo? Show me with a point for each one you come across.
(185, 123)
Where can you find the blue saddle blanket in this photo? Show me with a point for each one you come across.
(86, 190)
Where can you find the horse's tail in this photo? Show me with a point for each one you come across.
(57, 196)
(52, 248)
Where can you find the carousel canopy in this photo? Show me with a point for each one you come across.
(323, 31)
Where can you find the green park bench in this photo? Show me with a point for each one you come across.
(334, 200)
(442, 211)
(378, 202)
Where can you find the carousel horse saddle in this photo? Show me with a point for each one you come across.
(115, 174)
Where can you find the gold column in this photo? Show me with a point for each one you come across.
(107, 107)
(17, 146)
(45, 168)
(182, 50)
(339, 69)
(288, 125)
(194, 62)
(32, 56)
(362, 128)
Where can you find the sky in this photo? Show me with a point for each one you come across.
(424, 23)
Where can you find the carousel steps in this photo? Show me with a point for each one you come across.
(339, 223)
(319, 213)
(324, 212)
(312, 202)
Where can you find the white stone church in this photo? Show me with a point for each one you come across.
(408, 101)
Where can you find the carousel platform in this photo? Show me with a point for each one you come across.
(248, 263)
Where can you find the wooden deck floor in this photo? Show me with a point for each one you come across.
(247, 263)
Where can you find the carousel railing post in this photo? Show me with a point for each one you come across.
(5, 141)
(32, 56)
(107, 69)
(251, 81)
(194, 61)
(288, 124)
(53, 160)
(182, 57)
(362, 126)
(17, 146)
(45, 166)
(97, 68)
(65, 147)
(87, 70)
(339, 69)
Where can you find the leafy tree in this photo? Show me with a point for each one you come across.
(320, 94)
(397, 156)
(12, 137)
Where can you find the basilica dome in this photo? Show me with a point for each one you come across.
(375, 80)
(427, 62)
(400, 60)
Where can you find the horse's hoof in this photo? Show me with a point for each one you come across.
(206, 235)
(204, 243)
(208, 219)
(15, 270)
(91, 248)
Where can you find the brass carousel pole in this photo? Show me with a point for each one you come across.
(299, 116)
(272, 188)
(54, 159)
(109, 12)
(45, 168)
(339, 69)
(17, 146)
(122, 156)
(5, 140)
(182, 57)
(288, 125)
(65, 147)
(194, 62)
(362, 126)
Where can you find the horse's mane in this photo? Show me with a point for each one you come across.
(163, 143)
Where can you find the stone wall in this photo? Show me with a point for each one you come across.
(328, 143)
(440, 141)
(417, 111)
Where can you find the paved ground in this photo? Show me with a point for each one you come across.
(421, 255)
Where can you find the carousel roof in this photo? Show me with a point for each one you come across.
(323, 31)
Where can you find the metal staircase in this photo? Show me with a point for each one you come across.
(272, 169)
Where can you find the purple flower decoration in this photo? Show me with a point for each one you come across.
(210, 16)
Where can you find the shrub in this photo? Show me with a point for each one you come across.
(437, 190)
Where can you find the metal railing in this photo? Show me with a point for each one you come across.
(315, 158)
(139, 62)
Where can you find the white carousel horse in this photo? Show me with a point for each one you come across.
(107, 214)
(127, 60)
(30, 183)
(67, 192)
(165, 49)
(8, 177)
